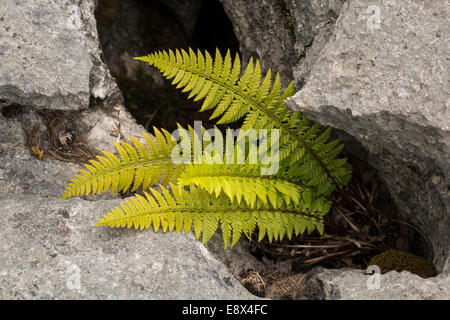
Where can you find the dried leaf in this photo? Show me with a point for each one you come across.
(38, 152)
(64, 137)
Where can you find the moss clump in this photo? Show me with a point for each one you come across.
(402, 261)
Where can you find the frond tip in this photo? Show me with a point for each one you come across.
(139, 165)
(203, 212)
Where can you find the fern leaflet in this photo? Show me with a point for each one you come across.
(244, 181)
(203, 212)
(139, 165)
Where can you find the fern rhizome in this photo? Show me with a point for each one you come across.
(203, 194)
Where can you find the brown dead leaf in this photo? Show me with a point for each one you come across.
(116, 132)
(38, 152)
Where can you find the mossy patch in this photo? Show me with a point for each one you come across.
(402, 261)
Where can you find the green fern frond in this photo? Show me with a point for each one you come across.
(244, 182)
(238, 197)
(261, 103)
(139, 165)
(198, 210)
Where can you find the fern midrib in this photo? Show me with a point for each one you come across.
(279, 122)
(248, 176)
(213, 210)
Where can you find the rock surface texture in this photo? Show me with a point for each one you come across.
(50, 64)
(50, 56)
(328, 284)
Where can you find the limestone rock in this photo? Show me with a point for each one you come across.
(282, 34)
(50, 250)
(377, 72)
(50, 55)
(237, 259)
(383, 79)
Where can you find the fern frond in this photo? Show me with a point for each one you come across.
(139, 165)
(198, 210)
(261, 104)
(244, 182)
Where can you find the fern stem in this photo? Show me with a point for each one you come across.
(217, 210)
(259, 177)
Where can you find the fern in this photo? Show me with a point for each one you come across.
(139, 165)
(243, 181)
(206, 194)
(232, 97)
(203, 212)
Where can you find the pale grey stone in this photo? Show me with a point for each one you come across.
(21, 172)
(50, 55)
(387, 87)
(385, 82)
(327, 284)
(103, 128)
(50, 59)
